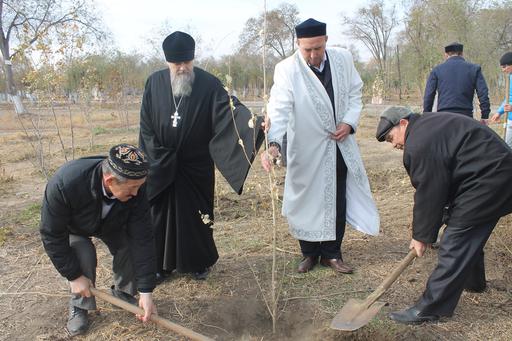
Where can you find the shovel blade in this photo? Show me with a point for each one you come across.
(355, 314)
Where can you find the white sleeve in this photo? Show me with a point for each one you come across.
(355, 85)
(280, 105)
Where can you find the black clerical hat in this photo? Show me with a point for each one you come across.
(179, 47)
(128, 161)
(310, 28)
(390, 118)
(454, 47)
(506, 59)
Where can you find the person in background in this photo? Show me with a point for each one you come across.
(455, 82)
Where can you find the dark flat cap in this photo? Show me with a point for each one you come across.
(506, 59)
(179, 47)
(454, 47)
(390, 118)
(128, 161)
(310, 28)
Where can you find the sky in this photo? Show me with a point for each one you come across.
(217, 22)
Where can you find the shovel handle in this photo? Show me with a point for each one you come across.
(381, 289)
(155, 318)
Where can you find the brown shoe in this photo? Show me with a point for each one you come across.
(337, 265)
(307, 264)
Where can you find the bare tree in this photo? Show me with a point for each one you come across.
(373, 27)
(24, 23)
(280, 31)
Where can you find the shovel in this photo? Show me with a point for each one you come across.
(155, 318)
(357, 313)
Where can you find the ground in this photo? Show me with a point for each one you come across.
(230, 304)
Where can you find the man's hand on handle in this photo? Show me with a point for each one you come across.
(80, 286)
(420, 247)
(146, 303)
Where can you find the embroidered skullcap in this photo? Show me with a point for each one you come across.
(310, 28)
(390, 118)
(454, 47)
(128, 161)
(179, 47)
(506, 59)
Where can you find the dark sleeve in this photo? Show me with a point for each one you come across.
(234, 144)
(430, 92)
(430, 177)
(483, 94)
(160, 158)
(140, 235)
(55, 218)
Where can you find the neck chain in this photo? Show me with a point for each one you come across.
(176, 116)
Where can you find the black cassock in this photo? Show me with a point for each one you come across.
(181, 179)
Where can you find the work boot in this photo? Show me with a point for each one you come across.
(124, 296)
(78, 321)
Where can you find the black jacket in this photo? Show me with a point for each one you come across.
(457, 162)
(72, 204)
(455, 81)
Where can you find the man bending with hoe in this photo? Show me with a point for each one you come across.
(102, 198)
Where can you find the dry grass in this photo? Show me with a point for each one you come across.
(229, 305)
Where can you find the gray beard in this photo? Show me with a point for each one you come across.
(181, 84)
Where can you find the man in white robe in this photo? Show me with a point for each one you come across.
(316, 100)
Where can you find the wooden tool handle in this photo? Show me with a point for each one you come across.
(507, 101)
(381, 289)
(155, 318)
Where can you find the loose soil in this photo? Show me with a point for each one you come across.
(231, 303)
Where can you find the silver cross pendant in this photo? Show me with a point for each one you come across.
(175, 117)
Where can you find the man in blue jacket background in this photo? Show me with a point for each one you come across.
(455, 82)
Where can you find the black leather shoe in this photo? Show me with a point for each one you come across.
(124, 296)
(78, 321)
(162, 276)
(476, 290)
(412, 315)
(201, 275)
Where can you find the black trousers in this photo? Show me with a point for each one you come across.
(332, 248)
(460, 266)
(122, 266)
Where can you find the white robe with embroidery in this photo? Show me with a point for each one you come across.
(300, 106)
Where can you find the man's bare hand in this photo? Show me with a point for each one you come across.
(80, 286)
(420, 247)
(268, 157)
(342, 131)
(146, 303)
(495, 118)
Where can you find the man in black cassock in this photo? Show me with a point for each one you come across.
(455, 162)
(188, 122)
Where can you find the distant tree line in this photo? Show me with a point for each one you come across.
(405, 41)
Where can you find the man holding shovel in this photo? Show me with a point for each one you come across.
(453, 161)
(506, 106)
(102, 198)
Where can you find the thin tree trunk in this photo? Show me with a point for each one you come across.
(72, 133)
(58, 131)
(11, 88)
(399, 74)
